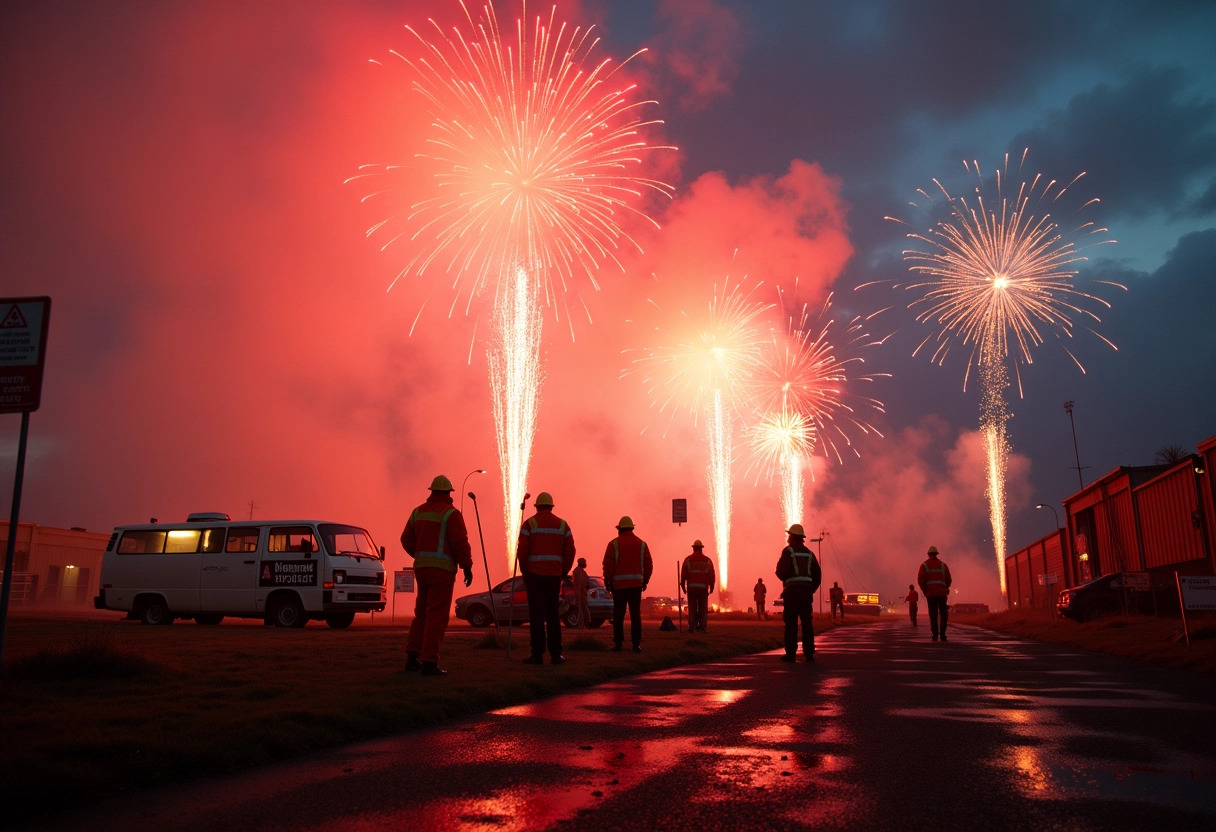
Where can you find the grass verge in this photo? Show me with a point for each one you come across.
(98, 708)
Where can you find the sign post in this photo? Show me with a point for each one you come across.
(23, 324)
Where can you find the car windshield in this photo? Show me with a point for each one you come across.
(350, 541)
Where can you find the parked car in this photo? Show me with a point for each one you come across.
(1114, 593)
(509, 602)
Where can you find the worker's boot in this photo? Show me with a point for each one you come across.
(412, 664)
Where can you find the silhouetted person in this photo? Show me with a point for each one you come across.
(799, 573)
(759, 593)
(911, 600)
(580, 594)
(836, 596)
(436, 537)
(545, 555)
(697, 581)
(627, 570)
(934, 579)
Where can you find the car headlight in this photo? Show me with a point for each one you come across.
(339, 576)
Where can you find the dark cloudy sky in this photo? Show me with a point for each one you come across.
(221, 335)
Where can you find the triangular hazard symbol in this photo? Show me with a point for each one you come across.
(13, 319)
(266, 571)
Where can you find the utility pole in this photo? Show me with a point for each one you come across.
(252, 506)
(819, 540)
(1076, 453)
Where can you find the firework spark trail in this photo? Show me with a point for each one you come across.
(515, 382)
(707, 373)
(805, 395)
(998, 278)
(536, 151)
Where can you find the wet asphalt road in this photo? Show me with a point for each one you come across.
(887, 730)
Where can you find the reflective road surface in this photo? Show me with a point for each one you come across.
(887, 730)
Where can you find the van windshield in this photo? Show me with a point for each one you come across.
(350, 541)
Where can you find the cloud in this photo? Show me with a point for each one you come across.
(1144, 164)
(698, 48)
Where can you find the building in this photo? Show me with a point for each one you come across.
(54, 567)
(1133, 519)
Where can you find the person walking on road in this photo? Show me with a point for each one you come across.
(697, 581)
(911, 600)
(934, 579)
(580, 593)
(436, 538)
(627, 570)
(836, 596)
(759, 593)
(799, 573)
(545, 554)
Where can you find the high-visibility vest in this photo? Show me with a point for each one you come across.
(439, 558)
(550, 562)
(802, 574)
(697, 572)
(932, 584)
(627, 580)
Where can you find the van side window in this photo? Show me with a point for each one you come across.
(182, 540)
(292, 539)
(242, 540)
(141, 543)
(212, 540)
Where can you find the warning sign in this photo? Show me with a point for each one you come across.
(288, 573)
(23, 325)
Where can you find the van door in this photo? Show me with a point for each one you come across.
(230, 573)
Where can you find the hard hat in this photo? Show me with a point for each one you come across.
(543, 499)
(796, 529)
(441, 483)
(625, 522)
(932, 550)
(696, 544)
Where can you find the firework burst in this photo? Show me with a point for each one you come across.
(998, 277)
(706, 370)
(805, 396)
(537, 149)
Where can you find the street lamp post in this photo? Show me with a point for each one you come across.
(462, 484)
(1054, 513)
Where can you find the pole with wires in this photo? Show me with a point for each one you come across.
(485, 563)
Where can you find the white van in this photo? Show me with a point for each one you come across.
(283, 571)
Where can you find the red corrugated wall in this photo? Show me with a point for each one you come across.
(1167, 505)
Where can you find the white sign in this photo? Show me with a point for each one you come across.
(403, 581)
(1198, 592)
(23, 324)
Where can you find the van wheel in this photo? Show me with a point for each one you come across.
(208, 620)
(155, 611)
(570, 619)
(340, 620)
(288, 612)
(479, 616)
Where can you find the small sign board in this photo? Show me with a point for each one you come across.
(1198, 591)
(679, 511)
(403, 580)
(1048, 579)
(23, 324)
(1137, 581)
